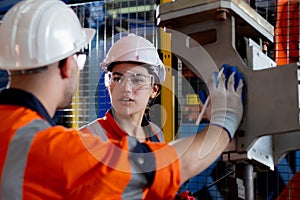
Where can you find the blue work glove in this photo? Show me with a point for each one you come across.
(226, 99)
(228, 70)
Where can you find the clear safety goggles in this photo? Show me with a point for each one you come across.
(80, 58)
(136, 80)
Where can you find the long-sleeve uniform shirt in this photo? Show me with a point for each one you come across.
(39, 160)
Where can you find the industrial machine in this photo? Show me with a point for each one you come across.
(209, 33)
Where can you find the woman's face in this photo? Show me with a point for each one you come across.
(130, 88)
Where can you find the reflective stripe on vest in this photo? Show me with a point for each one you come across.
(96, 129)
(134, 189)
(15, 163)
(157, 131)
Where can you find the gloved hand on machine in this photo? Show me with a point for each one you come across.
(223, 108)
(223, 105)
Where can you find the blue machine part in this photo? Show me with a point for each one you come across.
(102, 98)
(4, 78)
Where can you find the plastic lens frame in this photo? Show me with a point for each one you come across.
(80, 58)
(137, 80)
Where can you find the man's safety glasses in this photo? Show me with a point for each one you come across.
(136, 80)
(80, 58)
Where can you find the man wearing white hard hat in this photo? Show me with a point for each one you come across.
(40, 46)
(40, 41)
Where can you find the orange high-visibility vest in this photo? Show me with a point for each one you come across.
(40, 161)
(108, 126)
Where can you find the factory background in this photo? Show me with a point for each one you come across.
(177, 108)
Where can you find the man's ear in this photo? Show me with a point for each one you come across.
(65, 67)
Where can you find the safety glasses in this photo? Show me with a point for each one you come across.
(80, 58)
(136, 80)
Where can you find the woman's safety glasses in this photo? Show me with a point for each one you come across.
(136, 80)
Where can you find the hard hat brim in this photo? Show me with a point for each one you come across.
(89, 35)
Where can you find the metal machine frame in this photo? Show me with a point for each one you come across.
(272, 105)
(205, 35)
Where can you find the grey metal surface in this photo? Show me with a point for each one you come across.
(175, 14)
(262, 151)
(284, 143)
(256, 59)
(272, 104)
(192, 54)
(245, 181)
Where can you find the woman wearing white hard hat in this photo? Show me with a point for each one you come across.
(134, 74)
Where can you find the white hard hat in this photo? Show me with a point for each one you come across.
(36, 33)
(134, 48)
